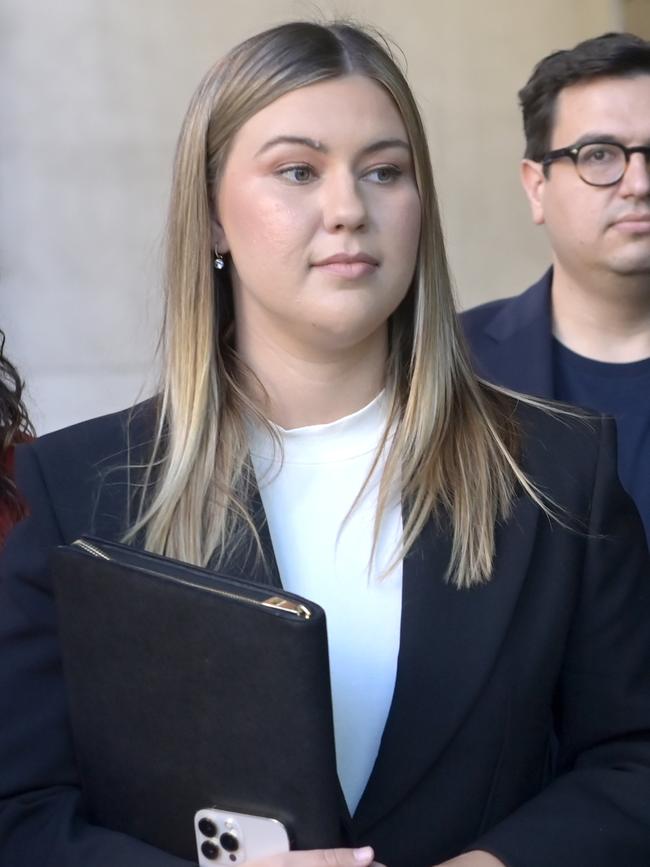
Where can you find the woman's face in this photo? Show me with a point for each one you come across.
(318, 208)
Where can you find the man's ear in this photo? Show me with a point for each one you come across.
(534, 183)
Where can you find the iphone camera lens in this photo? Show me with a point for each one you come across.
(207, 827)
(209, 850)
(229, 842)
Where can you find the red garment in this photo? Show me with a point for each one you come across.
(10, 514)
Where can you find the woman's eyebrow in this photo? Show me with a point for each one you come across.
(292, 139)
(384, 144)
(380, 145)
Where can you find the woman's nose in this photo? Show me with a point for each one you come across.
(344, 205)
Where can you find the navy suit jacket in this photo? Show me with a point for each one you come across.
(511, 340)
(551, 656)
(511, 343)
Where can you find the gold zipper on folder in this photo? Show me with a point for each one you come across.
(277, 602)
(287, 605)
(90, 549)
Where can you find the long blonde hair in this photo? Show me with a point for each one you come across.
(454, 452)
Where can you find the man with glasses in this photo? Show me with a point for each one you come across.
(582, 333)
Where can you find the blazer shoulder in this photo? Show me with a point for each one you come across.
(476, 318)
(97, 440)
(554, 425)
(564, 449)
(505, 316)
(84, 470)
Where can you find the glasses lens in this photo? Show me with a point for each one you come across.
(601, 164)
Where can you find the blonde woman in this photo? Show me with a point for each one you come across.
(484, 576)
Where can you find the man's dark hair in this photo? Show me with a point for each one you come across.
(611, 55)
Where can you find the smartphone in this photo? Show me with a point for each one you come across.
(225, 837)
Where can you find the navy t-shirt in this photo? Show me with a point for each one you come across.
(622, 391)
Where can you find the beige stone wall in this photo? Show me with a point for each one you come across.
(91, 97)
(636, 17)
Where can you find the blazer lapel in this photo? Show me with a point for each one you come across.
(112, 514)
(246, 562)
(517, 350)
(449, 642)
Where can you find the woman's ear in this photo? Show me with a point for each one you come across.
(219, 239)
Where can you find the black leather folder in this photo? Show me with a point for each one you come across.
(190, 689)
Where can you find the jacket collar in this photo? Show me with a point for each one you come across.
(518, 351)
(247, 563)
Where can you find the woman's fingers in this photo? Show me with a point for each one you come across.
(343, 857)
(320, 858)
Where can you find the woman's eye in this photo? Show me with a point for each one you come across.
(383, 174)
(297, 174)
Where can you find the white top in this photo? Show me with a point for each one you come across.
(306, 499)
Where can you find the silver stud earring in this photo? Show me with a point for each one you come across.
(219, 263)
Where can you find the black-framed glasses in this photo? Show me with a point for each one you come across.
(601, 164)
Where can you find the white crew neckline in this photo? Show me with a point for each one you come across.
(343, 439)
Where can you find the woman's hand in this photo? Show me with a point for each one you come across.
(320, 858)
(473, 859)
(362, 858)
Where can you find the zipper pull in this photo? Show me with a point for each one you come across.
(93, 550)
(281, 604)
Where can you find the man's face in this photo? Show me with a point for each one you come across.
(597, 229)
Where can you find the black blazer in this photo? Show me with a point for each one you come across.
(550, 658)
(511, 343)
(511, 339)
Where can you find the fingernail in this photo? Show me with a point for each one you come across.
(363, 854)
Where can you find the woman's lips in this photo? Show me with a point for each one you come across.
(349, 270)
(347, 265)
